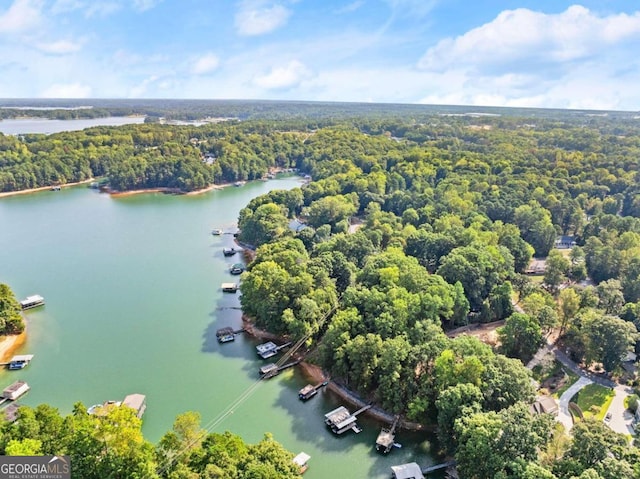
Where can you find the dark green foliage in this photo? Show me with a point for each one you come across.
(11, 321)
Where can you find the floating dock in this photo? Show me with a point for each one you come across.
(310, 390)
(226, 335)
(230, 287)
(272, 369)
(20, 361)
(32, 302)
(411, 470)
(137, 402)
(386, 438)
(16, 390)
(270, 349)
(301, 460)
(340, 420)
(229, 251)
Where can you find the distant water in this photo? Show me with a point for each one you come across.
(133, 296)
(42, 125)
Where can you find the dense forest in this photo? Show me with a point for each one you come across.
(11, 321)
(412, 229)
(412, 226)
(109, 443)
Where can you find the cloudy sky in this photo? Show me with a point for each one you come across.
(542, 53)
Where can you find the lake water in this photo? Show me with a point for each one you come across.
(133, 300)
(42, 125)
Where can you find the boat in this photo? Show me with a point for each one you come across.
(301, 460)
(102, 409)
(216, 232)
(32, 301)
(236, 268)
(229, 287)
(229, 251)
(240, 183)
(55, 188)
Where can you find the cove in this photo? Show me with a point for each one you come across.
(133, 296)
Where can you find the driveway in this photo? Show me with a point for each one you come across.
(621, 419)
(564, 416)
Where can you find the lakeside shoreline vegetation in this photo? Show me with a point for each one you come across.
(450, 209)
(11, 320)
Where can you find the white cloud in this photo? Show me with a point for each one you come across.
(350, 8)
(517, 38)
(257, 17)
(67, 90)
(61, 47)
(21, 16)
(283, 77)
(143, 5)
(205, 64)
(102, 8)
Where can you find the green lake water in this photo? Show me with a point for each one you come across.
(133, 300)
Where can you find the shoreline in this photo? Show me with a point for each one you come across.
(316, 375)
(9, 344)
(168, 191)
(6, 194)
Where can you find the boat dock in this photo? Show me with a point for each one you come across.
(13, 392)
(229, 251)
(32, 302)
(272, 369)
(340, 420)
(226, 335)
(270, 349)
(310, 390)
(20, 361)
(386, 438)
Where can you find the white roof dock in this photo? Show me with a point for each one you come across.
(136, 402)
(301, 459)
(16, 390)
(22, 358)
(410, 470)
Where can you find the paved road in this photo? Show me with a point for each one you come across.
(564, 416)
(621, 419)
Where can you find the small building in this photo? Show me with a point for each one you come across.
(20, 361)
(536, 266)
(16, 390)
(565, 242)
(545, 405)
(137, 402)
(411, 470)
(32, 301)
(230, 287)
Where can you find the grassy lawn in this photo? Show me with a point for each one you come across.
(594, 400)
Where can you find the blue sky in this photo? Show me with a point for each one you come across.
(493, 52)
